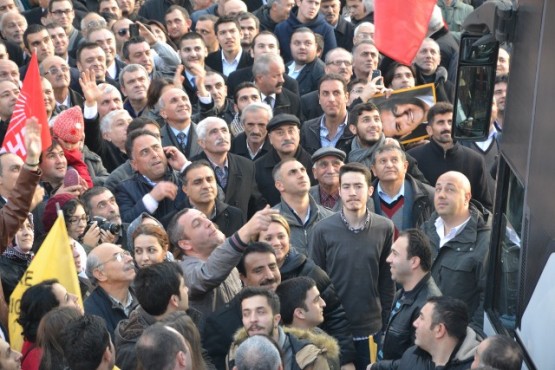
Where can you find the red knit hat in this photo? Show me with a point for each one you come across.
(50, 212)
(70, 125)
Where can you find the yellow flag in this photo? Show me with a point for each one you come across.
(54, 260)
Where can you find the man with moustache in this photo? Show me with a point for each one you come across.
(235, 175)
(327, 162)
(209, 258)
(253, 142)
(442, 154)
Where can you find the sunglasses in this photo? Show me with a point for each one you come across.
(123, 31)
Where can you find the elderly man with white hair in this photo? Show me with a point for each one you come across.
(235, 174)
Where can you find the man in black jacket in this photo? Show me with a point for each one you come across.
(410, 261)
(305, 67)
(253, 142)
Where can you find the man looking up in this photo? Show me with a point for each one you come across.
(107, 41)
(134, 83)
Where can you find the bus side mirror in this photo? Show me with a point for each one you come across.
(475, 84)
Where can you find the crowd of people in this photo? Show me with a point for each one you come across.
(235, 198)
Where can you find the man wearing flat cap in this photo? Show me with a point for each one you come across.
(325, 168)
(284, 136)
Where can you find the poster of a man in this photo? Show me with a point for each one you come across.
(404, 112)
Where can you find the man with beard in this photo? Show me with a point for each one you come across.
(100, 202)
(360, 239)
(235, 174)
(442, 154)
(63, 13)
(366, 124)
(209, 259)
(253, 142)
(260, 310)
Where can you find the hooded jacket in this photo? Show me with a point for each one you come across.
(263, 15)
(310, 349)
(459, 268)
(285, 29)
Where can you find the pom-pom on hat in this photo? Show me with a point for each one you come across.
(70, 125)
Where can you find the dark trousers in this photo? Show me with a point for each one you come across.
(363, 354)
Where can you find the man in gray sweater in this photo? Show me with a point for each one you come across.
(352, 247)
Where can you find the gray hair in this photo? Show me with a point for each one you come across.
(87, 24)
(368, 5)
(257, 353)
(360, 25)
(261, 65)
(11, 12)
(202, 126)
(329, 53)
(129, 69)
(436, 21)
(107, 88)
(93, 263)
(107, 120)
(255, 107)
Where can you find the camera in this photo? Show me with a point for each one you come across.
(104, 224)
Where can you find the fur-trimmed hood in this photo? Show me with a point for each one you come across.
(316, 348)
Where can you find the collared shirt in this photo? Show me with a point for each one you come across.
(386, 198)
(440, 229)
(295, 70)
(66, 102)
(252, 153)
(128, 305)
(190, 77)
(326, 199)
(112, 70)
(227, 67)
(298, 217)
(484, 145)
(353, 229)
(185, 131)
(263, 98)
(325, 140)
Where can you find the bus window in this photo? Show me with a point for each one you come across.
(507, 266)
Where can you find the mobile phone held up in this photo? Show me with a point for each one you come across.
(134, 30)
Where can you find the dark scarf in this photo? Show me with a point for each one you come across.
(15, 255)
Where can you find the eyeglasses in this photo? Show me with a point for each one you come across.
(117, 257)
(62, 12)
(123, 31)
(55, 71)
(338, 63)
(77, 220)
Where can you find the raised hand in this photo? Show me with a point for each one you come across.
(33, 141)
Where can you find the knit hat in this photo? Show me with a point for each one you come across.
(70, 125)
(50, 212)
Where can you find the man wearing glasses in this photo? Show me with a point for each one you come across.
(61, 12)
(112, 270)
(121, 31)
(57, 71)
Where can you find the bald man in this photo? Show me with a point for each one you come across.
(9, 71)
(459, 231)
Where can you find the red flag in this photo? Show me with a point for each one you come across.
(401, 26)
(30, 103)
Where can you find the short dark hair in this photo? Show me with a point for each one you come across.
(278, 166)
(292, 295)
(193, 166)
(303, 30)
(36, 302)
(176, 233)
(128, 43)
(501, 79)
(451, 312)
(155, 284)
(332, 77)
(502, 352)
(254, 247)
(354, 81)
(253, 291)
(190, 36)
(158, 347)
(358, 110)
(140, 122)
(84, 341)
(437, 109)
(132, 136)
(267, 33)
(248, 15)
(86, 45)
(154, 91)
(180, 8)
(89, 194)
(51, 2)
(418, 246)
(223, 20)
(244, 85)
(358, 168)
(32, 29)
(388, 76)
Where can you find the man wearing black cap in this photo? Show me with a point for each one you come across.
(327, 162)
(297, 206)
(284, 135)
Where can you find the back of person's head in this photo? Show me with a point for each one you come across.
(502, 352)
(182, 322)
(258, 353)
(36, 302)
(452, 313)
(158, 348)
(292, 295)
(85, 340)
(155, 285)
(49, 336)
